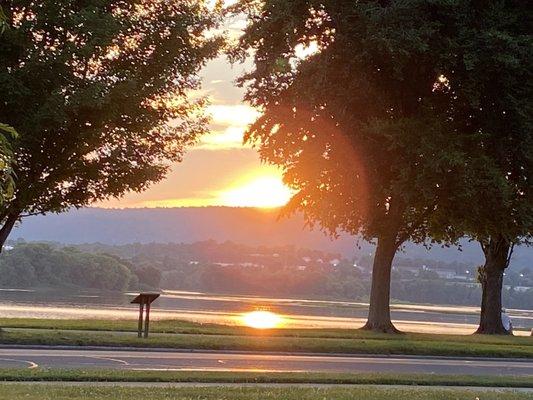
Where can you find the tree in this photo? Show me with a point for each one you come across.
(98, 91)
(149, 276)
(357, 125)
(488, 76)
(7, 182)
(3, 21)
(36, 264)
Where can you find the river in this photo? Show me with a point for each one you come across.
(228, 309)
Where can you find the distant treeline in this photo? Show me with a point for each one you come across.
(233, 268)
(165, 255)
(43, 265)
(341, 282)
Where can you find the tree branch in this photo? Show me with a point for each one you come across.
(511, 249)
(31, 214)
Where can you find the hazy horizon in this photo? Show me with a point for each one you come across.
(254, 226)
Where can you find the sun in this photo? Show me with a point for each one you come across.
(261, 320)
(261, 192)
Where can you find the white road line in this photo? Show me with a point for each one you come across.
(260, 357)
(192, 360)
(109, 359)
(30, 363)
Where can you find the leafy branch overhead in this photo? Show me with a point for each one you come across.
(7, 182)
(102, 95)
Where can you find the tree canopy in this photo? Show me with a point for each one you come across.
(7, 183)
(100, 93)
(398, 120)
(357, 125)
(490, 89)
(40, 265)
(488, 76)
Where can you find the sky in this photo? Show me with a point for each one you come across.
(219, 170)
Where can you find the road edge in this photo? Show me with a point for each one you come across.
(273, 353)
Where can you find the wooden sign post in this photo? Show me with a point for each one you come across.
(142, 300)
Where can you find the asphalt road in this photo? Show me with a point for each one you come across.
(221, 361)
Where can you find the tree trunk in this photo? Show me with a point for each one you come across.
(496, 260)
(6, 229)
(379, 319)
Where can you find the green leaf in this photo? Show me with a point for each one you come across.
(9, 130)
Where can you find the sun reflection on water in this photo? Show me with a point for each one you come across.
(261, 320)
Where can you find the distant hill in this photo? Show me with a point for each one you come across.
(240, 225)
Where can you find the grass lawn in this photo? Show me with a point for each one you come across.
(188, 335)
(95, 375)
(57, 392)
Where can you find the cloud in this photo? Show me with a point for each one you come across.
(230, 138)
(229, 122)
(240, 115)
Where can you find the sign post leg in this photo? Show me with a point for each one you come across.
(140, 327)
(147, 320)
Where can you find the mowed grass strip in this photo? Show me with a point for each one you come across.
(365, 344)
(58, 392)
(95, 375)
(193, 328)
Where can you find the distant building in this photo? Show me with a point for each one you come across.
(522, 289)
(444, 273)
(334, 262)
(463, 277)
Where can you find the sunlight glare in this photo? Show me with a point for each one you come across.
(262, 192)
(230, 138)
(211, 4)
(232, 115)
(304, 51)
(262, 320)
